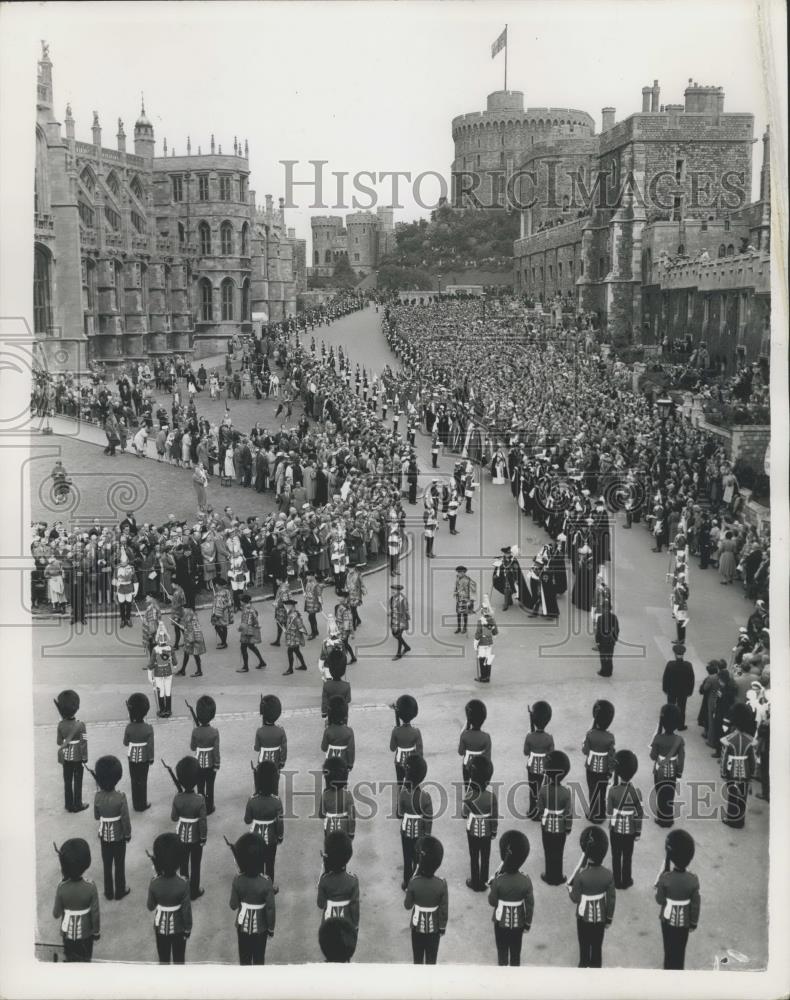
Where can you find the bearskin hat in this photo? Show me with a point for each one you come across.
(336, 664)
(187, 772)
(670, 718)
(430, 853)
(108, 772)
(625, 764)
(557, 762)
(206, 709)
(406, 707)
(337, 939)
(540, 714)
(335, 771)
(337, 710)
(594, 843)
(742, 718)
(267, 778)
(513, 849)
(75, 857)
(248, 851)
(475, 713)
(603, 713)
(138, 706)
(679, 845)
(416, 768)
(68, 703)
(168, 852)
(337, 850)
(480, 771)
(270, 708)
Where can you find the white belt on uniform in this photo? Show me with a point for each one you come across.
(408, 818)
(133, 746)
(68, 916)
(260, 822)
(510, 904)
(550, 812)
(246, 908)
(401, 752)
(596, 753)
(588, 899)
(335, 906)
(164, 909)
(671, 904)
(335, 750)
(472, 753)
(473, 816)
(104, 820)
(266, 753)
(417, 910)
(335, 816)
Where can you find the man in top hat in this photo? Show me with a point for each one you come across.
(678, 896)
(72, 740)
(77, 902)
(399, 619)
(465, 587)
(678, 681)
(115, 829)
(592, 891)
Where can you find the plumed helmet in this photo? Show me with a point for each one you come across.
(430, 853)
(406, 707)
(248, 851)
(337, 710)
(138, 705)
(742, 718)
(540, 714)
(206, 709)
(187, 772)
(337, 939)
(162, 635)
(513, 849)
(68, 703)
(670, 718)
(335, 771)
(108, 772)
(416, 769)
(625, 764)
(337, 850)
(594, 843)
(168, 852)
(475, 713)
(270, 708)
(679, 845)
(480, 771)
(603, 713)
(267, 778)
(75, 857)
(557, 762)
(336, 664)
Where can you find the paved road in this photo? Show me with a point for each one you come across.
(534, 660)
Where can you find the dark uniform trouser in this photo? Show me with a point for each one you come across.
(479, 855)
(205, 785)
(114, 852)
(138, 778)
(171, 944)
(311, 617)
(534, 781)
(269, 855)
(190, 867)
(508, 944)
(596, 786)
(622, 852)
(553, 849)
(407, 846)
(252, 948)
(675, 941)
(425, 947)
(78, 951)
(679, 700)
(72, 783)
(590, 944)
(664, 791)
(734, 814)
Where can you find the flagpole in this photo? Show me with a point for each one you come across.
(505, 57)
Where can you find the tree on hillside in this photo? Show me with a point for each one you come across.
(343, 275)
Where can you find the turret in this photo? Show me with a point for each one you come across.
(607, 119)
(121, 137)
(143, 135)
(646, 96)
(655, 95)
(96, 130)
(69, 120)
(44, 95)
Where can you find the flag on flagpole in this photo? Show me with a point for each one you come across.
(500, 43)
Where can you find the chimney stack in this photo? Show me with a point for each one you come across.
(646, 92)
(607, 119)
(655, 96)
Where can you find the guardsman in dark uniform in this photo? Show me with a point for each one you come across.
(77, 902)
(115, 829)
(481, 812)
(512, 897)
(335, 685)
(678, 681)
(249, 635)
(556, 818)
(337, 939)
(426, 897)
(399, 619)
(738, 764)
(338, 889)
(336, 808)
(415, 812)
(72, 742)
(205, 746)
(338, 738)
(189, 814)
(264, 813)
(252, 894)
(677, 894)
(537, 745)
(168, 900)
(598, 750)
(624, 808)
(405, 739)
(473, 741)
(138, 737)
(668, 753)
(271, 743)
(592, 891)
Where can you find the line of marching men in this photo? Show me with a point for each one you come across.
(177, 855)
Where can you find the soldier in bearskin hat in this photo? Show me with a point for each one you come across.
(338, 738)
(337, 939)
(271, 743)
(677, 894)
(426, 897)
(138, 737)
(473, 741)
(556, 818)
(252, 894)
(668, 753)
(335, 685)
(336, 808)
(415, 812)
(110, 808)
(624, 808)
(338, 889)
(598, 749)
(264, 813)
(592, 891)
(189, 815)
(169, 900)
(738, 764)
(480, 810)
(205, 746)
(76, 902)
(405, 738)
(512, 897)
(72, 741)
(537, 744)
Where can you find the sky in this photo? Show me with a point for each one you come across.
(372, 86)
